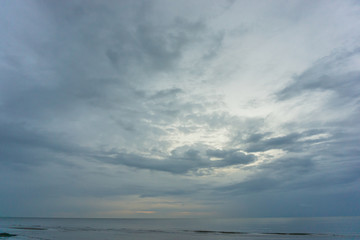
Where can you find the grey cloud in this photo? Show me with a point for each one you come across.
(257, 142)
(254, 185)
(284, 174)
(274, 143)
(255, 137)
(294, 204)
(182, 160)
(230, 157)
(215, 46)
(324, 165)
(80, 115)
(19, 144)
(291, 166)
(145, 193)
(76, 73)
(309, 163)
(88, 69)
(326, 75)
(177, 166)
(160, 48)
(168, 93)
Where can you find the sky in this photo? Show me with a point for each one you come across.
(202, 108)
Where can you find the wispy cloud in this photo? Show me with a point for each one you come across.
(177, 109)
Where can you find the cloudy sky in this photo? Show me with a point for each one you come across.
(179, 108)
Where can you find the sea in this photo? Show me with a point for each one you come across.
(333, 228)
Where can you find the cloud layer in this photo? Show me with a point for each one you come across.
(127, 109)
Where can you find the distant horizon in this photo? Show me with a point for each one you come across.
(185, 217)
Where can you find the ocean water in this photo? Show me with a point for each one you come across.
(180, 229)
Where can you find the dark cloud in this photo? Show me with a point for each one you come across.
(79, 53)
(274, 143)
(182, 160)
(250, 186)
(293, 142)
(91, 61)
(324, 165)
(21, 145)
(326, 75)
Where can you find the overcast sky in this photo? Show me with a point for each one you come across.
(179, 108)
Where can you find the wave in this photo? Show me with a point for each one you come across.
(199, 231)
(261, 233)
(29, 228)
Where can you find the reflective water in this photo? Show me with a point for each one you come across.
(257, 228)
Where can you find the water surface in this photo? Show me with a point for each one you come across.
(334, 228)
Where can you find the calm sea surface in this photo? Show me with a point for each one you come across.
(181, 229)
